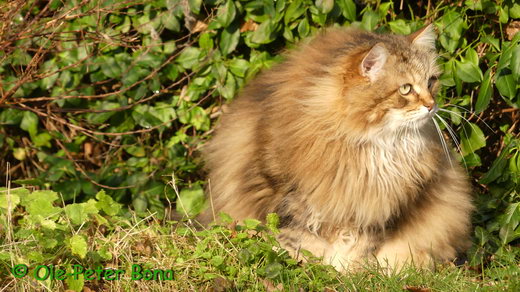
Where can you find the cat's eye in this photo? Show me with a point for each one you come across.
(405, 89)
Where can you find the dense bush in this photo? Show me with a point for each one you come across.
(120, 95)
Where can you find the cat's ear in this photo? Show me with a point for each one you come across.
(424, 37)
(374, 61)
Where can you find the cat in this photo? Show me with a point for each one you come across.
(339, 140)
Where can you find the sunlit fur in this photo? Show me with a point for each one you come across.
(355, 170)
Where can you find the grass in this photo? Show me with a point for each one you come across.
(221, 258)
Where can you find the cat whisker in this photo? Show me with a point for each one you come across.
(444, 146)
(453, 137)
(470, 112)
(463, 128)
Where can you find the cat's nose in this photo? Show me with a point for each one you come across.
(430, 105)
(432, 108)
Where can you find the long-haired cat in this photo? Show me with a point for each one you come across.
(339, 141)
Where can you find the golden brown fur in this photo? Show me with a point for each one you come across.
(353, 167)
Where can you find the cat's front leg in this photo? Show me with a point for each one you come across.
(294, 240)
(345, 252)
(437, 229)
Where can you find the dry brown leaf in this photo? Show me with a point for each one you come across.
(270, 287)
(512, 28)
(249, 25)
(220, 285)
(198, 27)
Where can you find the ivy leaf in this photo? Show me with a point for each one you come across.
(229, 39)
(29, 123)
(264, 33)
(189, 57)
(472, 138)
(226, 13)
(238, 67)
(195, 6)
(78, 245)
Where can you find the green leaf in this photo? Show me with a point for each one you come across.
(110, 67)
(75, 283)
(515, 62)
(473, 4)
(10, 116)
(42, 140)
(273, 270)
(325, 6)
(199, 119)
(170, 22)
(348, 8)
(506, 84)
(294, 11)
(472, 138)
(10, 200)
(272, 222)
(229, 39)
(509, 222)
(206, 41)
(485, 92)
(496, 170)
(78, 213)
(29, 123)
(400, 27)
(217, 260)
(189, 57)
(107, 204)
(514, 11)
(304, 28)
(195, 6)
(503, 14)
(450, 25)
(467, 71)
(228, 89)
(191, 201)
(40, 203)
(264, 33)
(78, 245)
(251, 224)
(369, 20)
(226, 13)
(238, 67)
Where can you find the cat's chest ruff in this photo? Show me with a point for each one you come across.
(377, 177)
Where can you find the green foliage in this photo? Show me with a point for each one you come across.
(120, 95)
(229, 256)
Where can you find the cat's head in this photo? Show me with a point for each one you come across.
(390, 85)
